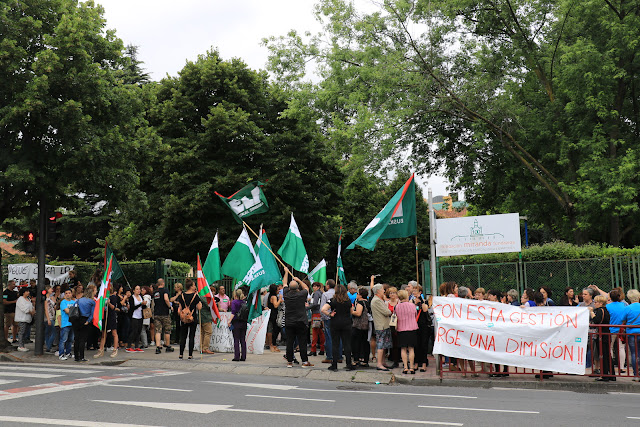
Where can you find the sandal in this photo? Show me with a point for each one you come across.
(190, 358)
(412, 371)
(423, 370)
(405, 371)
(180, 357)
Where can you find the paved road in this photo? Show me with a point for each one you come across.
(82, 395)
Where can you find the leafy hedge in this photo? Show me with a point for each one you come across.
(557, 250)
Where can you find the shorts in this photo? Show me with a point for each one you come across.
(408, 339)
(383, 339)
(272, 326)
(8, 319)
(162, 324)
(112, 323)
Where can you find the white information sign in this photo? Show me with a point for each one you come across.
(545, 338)
(57, 274)
(472, 235)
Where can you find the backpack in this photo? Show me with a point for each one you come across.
(186, 315)
(74, 313)
(243, 313)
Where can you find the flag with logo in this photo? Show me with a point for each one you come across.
(341, 277)
(292, 250)
(397, 219)
(205, 291)
(319, 274)
(240, 259)
(247, 201)
(211, 268)
(272, 272)
(103, 295)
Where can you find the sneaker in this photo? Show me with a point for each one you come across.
(63, 357)
(22, 349)
(139, 350)
(83, 360)
(130, 350)
(307, 365)
(289, 365)
(110, 348)
(158, 350)
(169, 349)
(57, 353)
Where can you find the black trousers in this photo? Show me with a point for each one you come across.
(422, 349)
(81, 331)
(341, 333)
(187, 329)
(300, 331)
(134, 336)
(360, 345)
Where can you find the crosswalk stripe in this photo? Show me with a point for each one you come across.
(55, 370)
(29, 375)
(57, 363)
(7, 381)
(67, 422)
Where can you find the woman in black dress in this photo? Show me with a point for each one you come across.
(189, 303)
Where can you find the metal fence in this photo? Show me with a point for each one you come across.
(606, 273)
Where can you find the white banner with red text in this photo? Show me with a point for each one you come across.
(545, 338)
(222, 337)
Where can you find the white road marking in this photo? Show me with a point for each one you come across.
(150, 388)
(634, 418)
(198, 408)
(29, 375)
(202, 408)
(290, 398)
(478, 409)
(21, 365)
(293, 387)
(530, 389)
(623, 393)
(78, 423)
(8, 381)
(63, 370)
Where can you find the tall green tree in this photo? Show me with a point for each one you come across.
(529, 106)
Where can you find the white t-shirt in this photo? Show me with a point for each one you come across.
(137, 310)
(147, 298)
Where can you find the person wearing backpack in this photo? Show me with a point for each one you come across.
(188, 312)
(238, 325)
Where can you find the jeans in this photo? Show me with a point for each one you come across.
(239, 342)
(633, 347)
(66, 339)
(300, 331)
(49, 334)
(328, 341)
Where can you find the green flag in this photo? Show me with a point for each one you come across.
(272, 272)
(116, 271)
(211, 268)
(247, 201)
(292, 250)
(396, 219)
(240, 259)
(341, 277)
(319, 274)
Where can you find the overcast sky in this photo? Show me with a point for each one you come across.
(169, 33)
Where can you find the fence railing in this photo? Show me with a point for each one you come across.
(610, 355)
(606, 273)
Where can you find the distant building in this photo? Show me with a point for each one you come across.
(8, 243)
(449, 206)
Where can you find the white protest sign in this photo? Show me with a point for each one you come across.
(472, 235)
(545, 338)
(57, 274)
(222, 337)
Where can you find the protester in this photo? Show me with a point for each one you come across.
(601, 350)
(513, 298)
(146, 321)
(632, 318)
(569, 298)
(206, 327)
(23, 316)
(273, 329)
(73, 279)
(49, 319)
(136, 304)
(296, 320)
(113, 307)
(66, 329)
(381, 316)
(317, 334)
(161, 318)
(352, 287)
(449, 289)
(494, 296)
(360, 329)
(339, 309)
(587, 298)
(394, 353)
(425, 332)
(189, 304)
(9, 298)
(546, 293)
(480, 294)
(527, 298)
(326, 321)
(86, 305)
(616, 309)
(238, 327)
(464, 292)
(224, 301)
(407, 331)
(123, 317)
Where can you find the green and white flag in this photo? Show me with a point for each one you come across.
(319, 274)
(272, 272)
(247, 201)
(211, 268)
(240, 259)
(293, 251)
(342, 279)
(397, 219)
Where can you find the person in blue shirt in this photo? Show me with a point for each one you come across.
(81, 327)
(632, 317)
(616, 309)
(352, 287)
(66, 330)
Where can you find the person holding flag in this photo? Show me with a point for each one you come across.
(295, 316)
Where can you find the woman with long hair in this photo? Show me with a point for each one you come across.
(189, 304)
(569, 298)
(86, 305)
(136, 305)
(339, 309)
(274, 299)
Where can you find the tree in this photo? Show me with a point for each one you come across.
(529, 106)
(67, 123)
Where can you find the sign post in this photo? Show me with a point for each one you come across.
(432, 244)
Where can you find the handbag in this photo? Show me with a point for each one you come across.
(186, 314)
(316, 321)
(147, 313)
(394, 320)
(280, 316)
(74, 313)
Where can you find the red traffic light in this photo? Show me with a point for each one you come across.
(55, 216)
(31, 237)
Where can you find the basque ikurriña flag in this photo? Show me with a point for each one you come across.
(103, 296)
(205, 291)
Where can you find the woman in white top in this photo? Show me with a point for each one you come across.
(136, 304)
(24, 313)
(146, 323)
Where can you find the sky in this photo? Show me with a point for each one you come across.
(170, 33)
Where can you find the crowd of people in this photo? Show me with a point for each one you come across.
(378, 323)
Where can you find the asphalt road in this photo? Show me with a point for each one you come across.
(82, 395)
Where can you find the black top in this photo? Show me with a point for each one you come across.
(10, 296)
(160, 306)
(115, 301)
(343, 313)
(601, 317)
(187, 301)
(294, 306)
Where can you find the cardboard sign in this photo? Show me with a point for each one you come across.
(57, 274)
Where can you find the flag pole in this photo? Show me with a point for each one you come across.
(200, 320)
(258, 237)
(417, 274)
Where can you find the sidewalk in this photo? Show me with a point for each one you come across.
(273, 364)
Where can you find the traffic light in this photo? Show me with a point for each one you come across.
(53, 226)
(29, 240)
